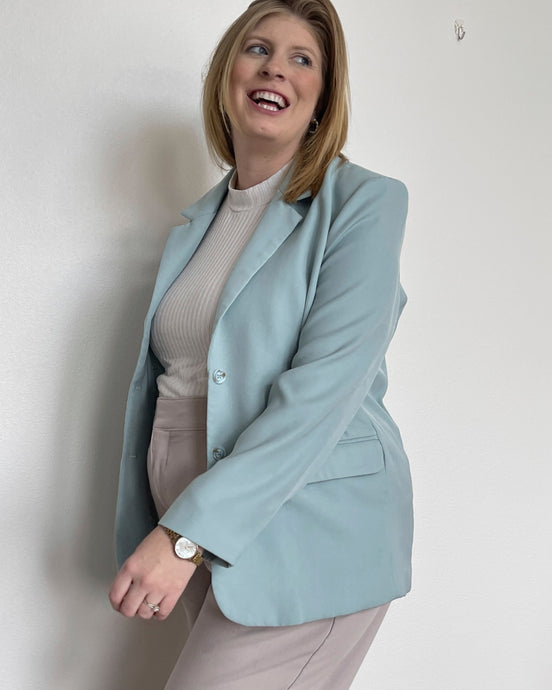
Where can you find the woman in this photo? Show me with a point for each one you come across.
(260, 381)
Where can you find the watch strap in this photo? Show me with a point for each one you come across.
(173, 536)
(196, 559)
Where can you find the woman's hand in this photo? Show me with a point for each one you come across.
(154, 574)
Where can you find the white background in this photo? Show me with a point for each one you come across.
(101, 146)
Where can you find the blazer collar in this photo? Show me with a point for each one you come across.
(210, 202)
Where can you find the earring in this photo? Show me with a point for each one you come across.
(313, 126)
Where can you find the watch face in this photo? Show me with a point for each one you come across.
(184, 548)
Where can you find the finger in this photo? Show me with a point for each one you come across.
(166, 606)
(145, 611)
(119, 588)
(133, 600)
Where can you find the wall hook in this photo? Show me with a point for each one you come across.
(459, 29)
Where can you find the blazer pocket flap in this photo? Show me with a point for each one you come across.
(352, 459)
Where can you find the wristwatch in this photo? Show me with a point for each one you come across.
(184, 548)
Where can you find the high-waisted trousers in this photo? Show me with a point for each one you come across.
(220, 654)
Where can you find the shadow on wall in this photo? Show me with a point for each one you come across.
(156, 172)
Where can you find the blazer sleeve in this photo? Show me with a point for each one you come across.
(342, 345)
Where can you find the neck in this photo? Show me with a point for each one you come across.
(256, 166)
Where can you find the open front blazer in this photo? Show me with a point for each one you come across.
(306, 502)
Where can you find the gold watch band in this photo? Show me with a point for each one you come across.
(173, 536)
(197, 559)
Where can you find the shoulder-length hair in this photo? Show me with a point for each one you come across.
(318, 149)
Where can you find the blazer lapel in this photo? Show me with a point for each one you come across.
(278, 221)
(185, 239)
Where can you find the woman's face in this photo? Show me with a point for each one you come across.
(275, 85)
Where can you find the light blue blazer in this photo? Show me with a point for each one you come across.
(306, 504)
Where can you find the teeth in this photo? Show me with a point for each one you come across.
(269, 106)
(268, 96)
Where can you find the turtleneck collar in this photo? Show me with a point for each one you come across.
(259, 195)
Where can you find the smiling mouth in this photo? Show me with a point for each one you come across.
(269, 100)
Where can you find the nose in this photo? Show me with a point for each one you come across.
(272, 69)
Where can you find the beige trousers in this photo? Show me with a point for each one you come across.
(220, 654)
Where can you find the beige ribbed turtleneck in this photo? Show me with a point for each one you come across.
(182, 325)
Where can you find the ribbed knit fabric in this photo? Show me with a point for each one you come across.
(182, 325)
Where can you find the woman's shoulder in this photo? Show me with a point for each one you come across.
(346, 182)
(344, 173)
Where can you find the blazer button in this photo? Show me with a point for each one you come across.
(219, 376)
(218, 453)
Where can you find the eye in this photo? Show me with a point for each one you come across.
(256, 50)
(303, 60)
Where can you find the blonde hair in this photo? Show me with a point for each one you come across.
(318, 149)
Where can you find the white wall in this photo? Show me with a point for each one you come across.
(100, 144)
